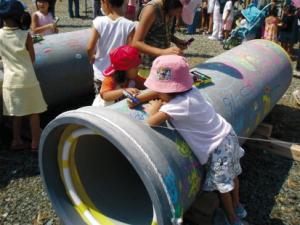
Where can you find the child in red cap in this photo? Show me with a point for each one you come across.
(121, 77)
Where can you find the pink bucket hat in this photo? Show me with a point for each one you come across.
(169, 74)
(188, 10)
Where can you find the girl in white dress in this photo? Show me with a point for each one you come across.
(22, 94)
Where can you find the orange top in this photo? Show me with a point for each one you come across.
(109, 84)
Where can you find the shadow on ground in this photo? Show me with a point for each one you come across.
(264, 174)
(21, 164)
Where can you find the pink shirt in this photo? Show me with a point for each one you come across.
(44, 20)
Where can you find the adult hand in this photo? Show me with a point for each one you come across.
(171, 51)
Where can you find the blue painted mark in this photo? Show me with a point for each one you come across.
(170, 182)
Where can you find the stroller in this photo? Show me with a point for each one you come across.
(254, 20)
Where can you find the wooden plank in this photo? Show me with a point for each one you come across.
(264, 130)
(287, 150)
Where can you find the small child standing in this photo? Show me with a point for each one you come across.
(121, 77)
(286, 37)
(42, 20)
(208, 134)
(22, 94)
(108, 32)
(271, 25)
(227, 18)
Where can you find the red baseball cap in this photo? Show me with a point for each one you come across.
(122, 58)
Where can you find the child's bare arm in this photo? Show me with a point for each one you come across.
(30, 49)
(155, 116)
(92, 44)
(144, 97)
(39, 29)
(130, 37)
(116, 94)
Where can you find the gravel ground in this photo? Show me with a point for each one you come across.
(270, 185)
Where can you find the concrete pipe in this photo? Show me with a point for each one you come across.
(105, 166)
(62, 66)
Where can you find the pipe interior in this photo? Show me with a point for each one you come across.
(111, 182)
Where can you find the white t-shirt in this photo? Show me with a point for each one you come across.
(197, 122)
(228, 7)
(113, 34)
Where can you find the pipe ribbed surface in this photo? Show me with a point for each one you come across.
(62, 66)
(105, 166)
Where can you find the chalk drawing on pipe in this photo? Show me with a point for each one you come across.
(241, 98)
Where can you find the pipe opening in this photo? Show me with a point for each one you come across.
(111, 185)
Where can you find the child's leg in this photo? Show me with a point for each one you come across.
(226, 34)
(35, 130)
(17, 123)
(210, 23)
(235, 193)
(226, 199)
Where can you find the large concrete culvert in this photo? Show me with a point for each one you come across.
(114, 173)
(105, 166)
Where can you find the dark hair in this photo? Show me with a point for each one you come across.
(273, 11)
(289, 9)
(119, 76)
(168, 5)
(116, 3)
(23, 21)
(36, 1)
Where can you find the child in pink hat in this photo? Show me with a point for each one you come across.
(208, 134)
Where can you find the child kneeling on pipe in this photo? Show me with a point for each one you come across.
(208, 134)
(121, 77)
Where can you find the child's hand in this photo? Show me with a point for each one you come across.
(131, 104)
(92, 59)
(153, 106)
(133, 91)
(52, 26)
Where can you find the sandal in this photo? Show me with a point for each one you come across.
(19, 147)
(34, 148)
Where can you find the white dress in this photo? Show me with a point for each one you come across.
(22, 94)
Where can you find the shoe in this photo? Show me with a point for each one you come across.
(77, 16)
(212, 38)
(296, 95)
(240, 211)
